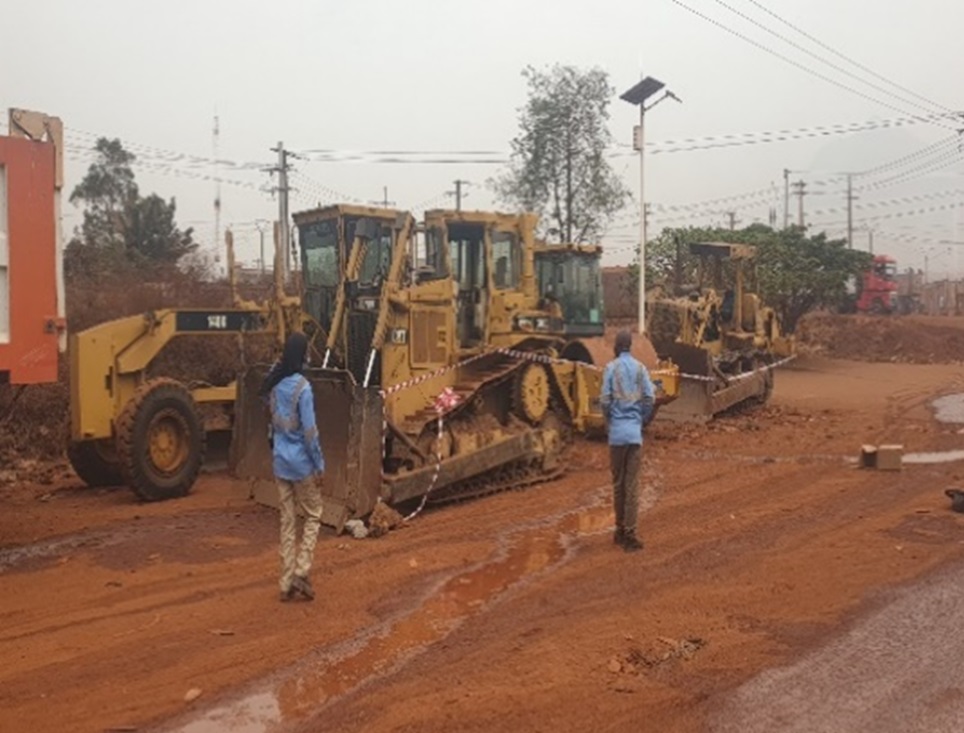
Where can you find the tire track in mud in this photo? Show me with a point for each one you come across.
(524, 553)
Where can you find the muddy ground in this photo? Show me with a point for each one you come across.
(764, 545)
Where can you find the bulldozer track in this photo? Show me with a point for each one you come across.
(518, 475)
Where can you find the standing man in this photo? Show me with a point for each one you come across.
(299, 465)
(627, 403)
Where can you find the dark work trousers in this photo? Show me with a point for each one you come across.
(625, 462)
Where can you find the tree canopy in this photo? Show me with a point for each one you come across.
(559, 167)
(121, 228)
(797, 273)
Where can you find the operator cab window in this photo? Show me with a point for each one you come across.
(507, 261)
(319, 246)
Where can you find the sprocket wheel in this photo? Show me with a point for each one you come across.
(532, 393)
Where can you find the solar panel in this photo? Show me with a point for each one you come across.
(642, 91)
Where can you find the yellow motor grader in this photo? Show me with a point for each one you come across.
(719, 334)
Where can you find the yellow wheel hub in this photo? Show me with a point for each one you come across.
(167, 440)
(534, 392)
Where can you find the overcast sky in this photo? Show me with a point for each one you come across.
(428, 75)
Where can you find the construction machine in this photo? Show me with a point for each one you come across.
(127, 428)
(719, 334)
(569, 280)
(410, 313)
(398, 313)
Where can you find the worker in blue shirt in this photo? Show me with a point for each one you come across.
(627, 402)
(299, 465)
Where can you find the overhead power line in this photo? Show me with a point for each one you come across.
(846, 58)
(797, 64)
(822, 60)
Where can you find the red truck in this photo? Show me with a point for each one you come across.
(877, 288)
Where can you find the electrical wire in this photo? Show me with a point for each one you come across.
(822, 60)
(800, 66)
(846, 58)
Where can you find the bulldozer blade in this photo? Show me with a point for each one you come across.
(694, 401)
(349, 421)
(701, 396)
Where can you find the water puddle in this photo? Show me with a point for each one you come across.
(949, 409)
(944, 456)
(303, 692)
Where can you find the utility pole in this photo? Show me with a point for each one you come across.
(259, 223)
(458, 193)
(786, 198)
(384, 202)
(800, 190)
(282, 189)
(773, 217)
(732, 217)
(870, 240)
(850, 212)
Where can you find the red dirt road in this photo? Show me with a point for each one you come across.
(510, 613)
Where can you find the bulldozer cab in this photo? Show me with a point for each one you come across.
(727, 271)
(490, 261)
(349, 256)
(569, 282)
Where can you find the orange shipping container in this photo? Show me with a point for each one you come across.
(29, 271)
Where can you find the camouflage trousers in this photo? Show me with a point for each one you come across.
(624, 462)
(306, 496)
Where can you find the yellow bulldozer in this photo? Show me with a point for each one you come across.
(719, 333)
(399, 313)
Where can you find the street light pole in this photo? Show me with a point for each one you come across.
(638, 95)
(641, 311)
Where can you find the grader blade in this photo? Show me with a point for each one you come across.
(349, 421)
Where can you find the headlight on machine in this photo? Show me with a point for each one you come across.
(528, 323)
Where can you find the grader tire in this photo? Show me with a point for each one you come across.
(95, 462)
(160, 441)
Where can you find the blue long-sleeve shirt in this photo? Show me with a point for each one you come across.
(627, 399)
(296, 446)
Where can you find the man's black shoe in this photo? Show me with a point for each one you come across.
(631, 544)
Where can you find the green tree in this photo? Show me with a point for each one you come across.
(559, 168)
(797, 273)
(121, 228)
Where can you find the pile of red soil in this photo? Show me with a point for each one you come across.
(904, 339)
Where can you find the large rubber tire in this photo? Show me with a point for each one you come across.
(95, 462)
(160, 441)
